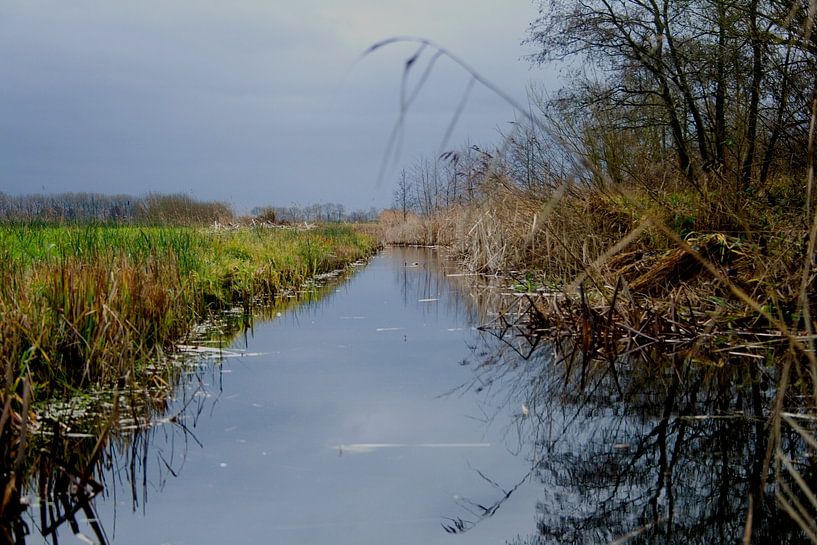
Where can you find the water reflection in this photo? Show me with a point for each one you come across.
(115, 445)
(338, 430)
(654, 450)
(333, 430)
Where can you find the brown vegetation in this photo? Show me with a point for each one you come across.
(663, 211)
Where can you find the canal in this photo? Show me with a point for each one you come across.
(382, 413)
(340, 421)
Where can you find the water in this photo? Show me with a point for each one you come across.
(338, 430)
(380, 415)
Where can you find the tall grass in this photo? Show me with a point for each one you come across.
(90, 305)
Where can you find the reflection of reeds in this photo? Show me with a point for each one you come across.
(93, 307)
(658, 447)
(14, 435)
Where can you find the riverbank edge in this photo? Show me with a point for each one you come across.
(77, 318)
(143, 386)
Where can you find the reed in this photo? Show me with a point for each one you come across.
(85, 306)
(638, 249)
(644, 271)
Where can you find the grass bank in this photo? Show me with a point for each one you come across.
(89, 305)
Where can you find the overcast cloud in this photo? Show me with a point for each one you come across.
(243, 101)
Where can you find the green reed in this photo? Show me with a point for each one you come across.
(83, 306)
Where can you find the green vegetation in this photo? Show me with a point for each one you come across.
(86, 306)
(98, 292)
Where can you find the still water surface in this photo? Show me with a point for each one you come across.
(337, 429)
(380, 415)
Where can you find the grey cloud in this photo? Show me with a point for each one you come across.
(232, 100)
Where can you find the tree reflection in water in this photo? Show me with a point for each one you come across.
(647, 450)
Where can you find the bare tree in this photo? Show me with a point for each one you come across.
(714, 79)
(402, 197)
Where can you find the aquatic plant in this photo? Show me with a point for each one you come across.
(90, 305)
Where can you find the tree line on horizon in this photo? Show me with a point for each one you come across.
(159, 209)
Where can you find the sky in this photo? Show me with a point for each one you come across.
(245, 101)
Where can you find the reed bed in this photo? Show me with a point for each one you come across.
(58, 448)
(618, 281)
(88, 306)
(435, 229)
